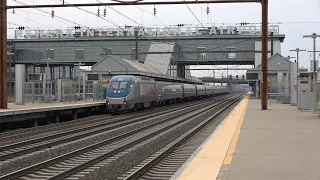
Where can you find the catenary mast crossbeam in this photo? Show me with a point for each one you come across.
(118, 3)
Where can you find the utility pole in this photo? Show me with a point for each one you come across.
(297, 50)
(264, 36)
(3, 55)
(314, 36)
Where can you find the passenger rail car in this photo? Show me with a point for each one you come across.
(170, 92)
(209, 90)
(189, 91)
(201, 90)
(128, 92)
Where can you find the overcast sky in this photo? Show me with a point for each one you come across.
(295, 17)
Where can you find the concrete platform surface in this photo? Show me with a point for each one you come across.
(279, 144)
(41, 107)
(206, 162)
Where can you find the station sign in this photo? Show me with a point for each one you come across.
(142, 31)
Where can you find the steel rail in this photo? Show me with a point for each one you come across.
(69, 155)
(178, 142)
(107, 126)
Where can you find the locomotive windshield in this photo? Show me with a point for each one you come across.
(118, 85)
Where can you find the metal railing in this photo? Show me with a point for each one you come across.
(279, 92)
(69, 89)
(39, 92)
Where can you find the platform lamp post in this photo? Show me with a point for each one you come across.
(314, 36)
(48, 66)
(297, 50)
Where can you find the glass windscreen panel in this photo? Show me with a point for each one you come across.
(118, 85)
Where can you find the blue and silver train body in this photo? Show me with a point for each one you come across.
(128, 92)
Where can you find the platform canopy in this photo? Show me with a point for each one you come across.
(115, 63)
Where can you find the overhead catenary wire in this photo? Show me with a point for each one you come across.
(14, 23)
(194, 15)
(130, 3)
(49, 13)
(105, 19)
(31, 20)
(206, 13)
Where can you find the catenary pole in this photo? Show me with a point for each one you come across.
(264, 97)
(314, 36)
(297, 50)
(3, 55)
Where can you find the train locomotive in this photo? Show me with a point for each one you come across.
(127, 92)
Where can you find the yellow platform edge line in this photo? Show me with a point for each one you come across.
(207, 162)
(233, 144)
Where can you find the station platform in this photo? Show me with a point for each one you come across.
(250, 144)
(34, 110)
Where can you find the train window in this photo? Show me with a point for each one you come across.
(123, 85)
(114, 85)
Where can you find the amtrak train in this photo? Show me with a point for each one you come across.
(127, 92)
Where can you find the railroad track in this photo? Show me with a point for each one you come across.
(47, 130)
(165, 162)
(81, 162)
(28, 146)
(49, 143)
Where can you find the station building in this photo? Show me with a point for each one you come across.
(62, 51)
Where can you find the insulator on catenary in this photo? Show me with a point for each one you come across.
(52, 13)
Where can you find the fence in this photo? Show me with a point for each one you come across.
(39, 92)
(97, 92)
(93, 90)
(63, 90)
(279, 92)
(69, 89)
